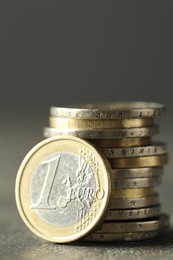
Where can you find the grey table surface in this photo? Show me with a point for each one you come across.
(17, 242)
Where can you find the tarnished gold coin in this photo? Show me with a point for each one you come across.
(63, 189)
(67, 123)
(132, 193)
(124, 142)
(139, 162)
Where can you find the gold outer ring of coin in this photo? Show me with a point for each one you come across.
(155, 224)
(66, 123)
(139, 162)
(132, 193)
(117, 110)
(101, 171)
(124, 142)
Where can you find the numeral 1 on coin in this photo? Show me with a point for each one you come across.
(43, 201)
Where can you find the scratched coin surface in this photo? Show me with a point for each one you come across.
(63, 189)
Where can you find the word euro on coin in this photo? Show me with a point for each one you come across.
(63, 189)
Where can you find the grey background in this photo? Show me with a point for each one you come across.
(65, 51)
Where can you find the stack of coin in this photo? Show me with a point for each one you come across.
(122, 132)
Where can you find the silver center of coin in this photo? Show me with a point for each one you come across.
(62, 189)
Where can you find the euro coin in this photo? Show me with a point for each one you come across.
(110, 111)
(116, 133)
(63, 189)
(132, 193)
(155, 224)
(83, 124)
(149, 150)
(127, 214)
(119, 143)
(132, 173)
(139, 162)
(136, 183)
(136, 202)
